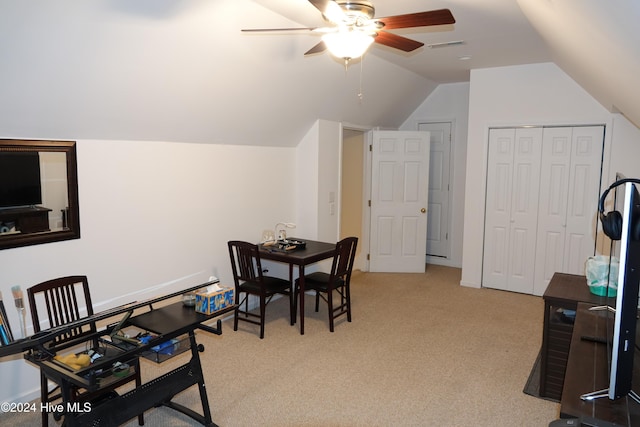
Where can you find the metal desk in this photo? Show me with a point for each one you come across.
(166, 323)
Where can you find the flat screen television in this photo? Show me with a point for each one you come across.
(622, 337)
(20, 179)
(626, 314)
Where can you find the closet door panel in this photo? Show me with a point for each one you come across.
(524, 216)
(548, 256)
(552, 209)
(495, 269)
(511, 208)
(518, 254)
(570, 175)
(584, 193)
(541, 205)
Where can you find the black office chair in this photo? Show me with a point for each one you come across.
(249, 280)
(338, 280)
(63, 299)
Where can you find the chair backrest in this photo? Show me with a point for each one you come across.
(64, 300)
(343, 259)
(245, 262)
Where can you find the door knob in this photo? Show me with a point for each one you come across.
(423, 210)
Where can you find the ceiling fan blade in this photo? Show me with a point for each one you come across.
(330, 10)
(321, 5)
(420, 19)
(263, 30)
(320, 47)
(397, 42)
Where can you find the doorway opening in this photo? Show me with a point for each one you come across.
(352, 191)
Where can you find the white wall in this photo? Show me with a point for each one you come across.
(306, 182)
(625, 151)
(329, 175)
(539, 94)
(318, 175)
(155, 217)
(449, 103)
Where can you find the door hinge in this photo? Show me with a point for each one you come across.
(369, 203)
(371, 148)
(368, 257)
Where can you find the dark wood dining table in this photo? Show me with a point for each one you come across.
(313, 252)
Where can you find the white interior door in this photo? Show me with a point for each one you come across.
(513, 179)
(399, 195)
(569, 194)
(438, 243)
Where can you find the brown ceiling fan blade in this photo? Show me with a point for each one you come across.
(397, 42)
(321, 5)
(420, 19)
(264, 30)
(320, 47)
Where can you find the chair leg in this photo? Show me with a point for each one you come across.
(347, 293)
(296, 292)
(262, 315)
(317, 301)
(330, 307)
(235, 312)
(292, 306)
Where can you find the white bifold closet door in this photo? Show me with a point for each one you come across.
(541, 204)
(569, 194)
(513, 177)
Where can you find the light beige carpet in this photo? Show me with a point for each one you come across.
(421, 351)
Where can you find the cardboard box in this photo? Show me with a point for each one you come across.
(208, 303)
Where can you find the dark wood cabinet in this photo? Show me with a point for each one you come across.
(27, 220)
(588, 371)
(561, 300)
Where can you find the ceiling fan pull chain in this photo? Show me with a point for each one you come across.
(360, 95)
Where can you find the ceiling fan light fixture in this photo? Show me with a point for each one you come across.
(347, 44)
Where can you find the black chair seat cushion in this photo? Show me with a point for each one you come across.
(272, 285)
(319, 281)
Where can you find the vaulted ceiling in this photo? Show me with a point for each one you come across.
(181, 70)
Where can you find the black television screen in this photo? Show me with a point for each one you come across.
(626, 313)
(19, 179)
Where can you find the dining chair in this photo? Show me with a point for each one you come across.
(338, 280)
(64, 300)
(249, 280)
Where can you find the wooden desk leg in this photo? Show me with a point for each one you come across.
(301, 284)
(292, 289)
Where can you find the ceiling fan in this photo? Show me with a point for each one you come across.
(354, 28)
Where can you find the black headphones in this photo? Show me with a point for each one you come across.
(612, 221)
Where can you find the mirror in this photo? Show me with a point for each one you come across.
(38, 192)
